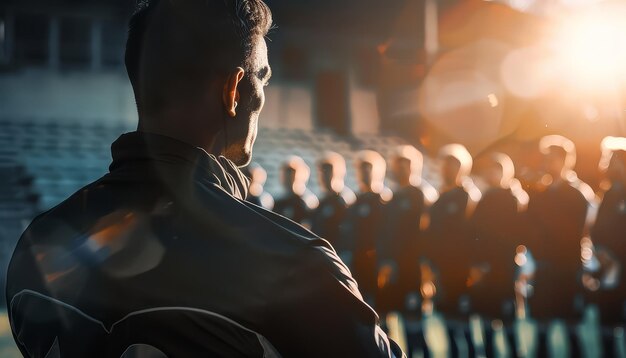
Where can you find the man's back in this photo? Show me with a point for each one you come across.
(162, 251)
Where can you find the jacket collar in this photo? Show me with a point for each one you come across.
(158, 150)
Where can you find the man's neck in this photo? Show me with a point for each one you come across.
(183, 133)
(404, 183)
(449, 185)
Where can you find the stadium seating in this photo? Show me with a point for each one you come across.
(60, 156)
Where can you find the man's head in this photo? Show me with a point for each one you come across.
(198, 68)
(613, 159)
(500, 171)
(371, 169)
(617, 166)
(406, 165)
(456, 164)
(332, 171)
(559, 154)
(258, 175)
(295, 174)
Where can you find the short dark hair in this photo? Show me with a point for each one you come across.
(174, 46)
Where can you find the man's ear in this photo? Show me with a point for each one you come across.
(230, 94)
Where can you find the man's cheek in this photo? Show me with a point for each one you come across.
(262, 98)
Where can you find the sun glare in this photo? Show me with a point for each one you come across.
(591, 48)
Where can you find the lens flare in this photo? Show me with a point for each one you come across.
(591, 47)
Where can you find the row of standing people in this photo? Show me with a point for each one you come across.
(463, 248)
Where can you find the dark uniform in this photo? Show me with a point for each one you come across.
(328, 220)
(295, 207)
(558, 213)
(449, 247)
(608, 234)
(365, 220)
(499, 228)
(400, 246)
(163, 251)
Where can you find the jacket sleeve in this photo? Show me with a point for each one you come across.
(320, 312)
(33, 324)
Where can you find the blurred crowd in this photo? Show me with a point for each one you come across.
(513, 248)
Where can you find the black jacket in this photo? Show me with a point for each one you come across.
(162, 251)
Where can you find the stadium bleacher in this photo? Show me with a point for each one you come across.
(61, 157)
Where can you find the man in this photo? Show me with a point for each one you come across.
(499, 228)
(163, 251)
(328, 219)
(256, 192)
(401, 248)
(450, 233)
(608, 233)
(365, 219)
(559, 213)
(299, 202)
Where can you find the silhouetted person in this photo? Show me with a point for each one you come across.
(298, 202)
(608, 233)
(329, 218)
(256, 192)
(365, 220)
(559, 213)
(450, 235)
(401, 244)
(499, 225)
(163, 251)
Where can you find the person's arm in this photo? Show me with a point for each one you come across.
(320, 312)
(33, 324)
